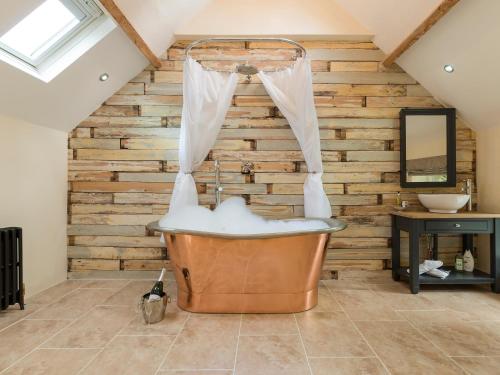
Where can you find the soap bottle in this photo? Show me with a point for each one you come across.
(468, 261)
(459, 262)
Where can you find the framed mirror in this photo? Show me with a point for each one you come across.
(428, 147)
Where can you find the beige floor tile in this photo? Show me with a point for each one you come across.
(24, 336)
(373, 313)
(404, 351)
(460, 321)
(131, 355)
(53, 362)
(74, 304)
(268, 324)
(93, 330)
(14, 313)
(474, 312)
(105, 284)
(56, 292)
(213, 324)
(346, 366)
(171, 288)
(459, 294)
(365, 305)
(435, 316)
(207, 341)
(131, 293)
(331, 334)
(356, 298)
(170, 325)
(326, 302)
(271, 355)
(370, 277)
(196, 372)
(474, 304)
(459, 338)
(479, 365)
(398, 296)
(192, 351)
(345, 285)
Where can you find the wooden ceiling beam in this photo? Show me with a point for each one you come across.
(131, 32)
(425, 26)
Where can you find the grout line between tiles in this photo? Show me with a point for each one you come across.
(66, 326)
(302, 343)
(43, 342)
(27, 317)
(473, 356)
(359, 331)
(106, 345)
(237, 344)
(269, 334)
(95, 356)
(341, 356)
(437, 347)
(172, 344)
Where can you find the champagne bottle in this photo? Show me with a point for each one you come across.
(157, 290)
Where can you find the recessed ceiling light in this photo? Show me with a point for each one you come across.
(103, 77)
(448, 68)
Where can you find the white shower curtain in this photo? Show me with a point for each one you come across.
(291, 89)
(207, 96)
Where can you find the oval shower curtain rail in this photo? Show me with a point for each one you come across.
(284, 40)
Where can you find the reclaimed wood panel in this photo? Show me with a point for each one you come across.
(123, 158)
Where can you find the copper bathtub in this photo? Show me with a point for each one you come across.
(262, 273)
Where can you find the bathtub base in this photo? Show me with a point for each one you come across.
(248, 303)
(247, 275)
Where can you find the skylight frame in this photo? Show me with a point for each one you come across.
(92, 14)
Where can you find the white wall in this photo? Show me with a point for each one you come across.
(33, 195)
(290, 18)
(488, 180)
(391, 21)
(467, 38)
(76, 92)
(156, 20)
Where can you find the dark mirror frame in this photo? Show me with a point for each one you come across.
(451, 165)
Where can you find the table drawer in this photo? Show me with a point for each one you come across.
(461, 226)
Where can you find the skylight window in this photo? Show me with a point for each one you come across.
(48, 31)
(40, 29)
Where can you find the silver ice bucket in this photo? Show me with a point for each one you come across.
(153, 311)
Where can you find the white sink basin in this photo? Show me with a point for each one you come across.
(443, 203)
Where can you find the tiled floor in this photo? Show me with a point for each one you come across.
(364, 324)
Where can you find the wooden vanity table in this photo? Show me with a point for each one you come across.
(465, 223)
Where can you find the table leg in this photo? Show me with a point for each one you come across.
(495, 255)
(435, 246)
(467, 242)
(414, 257)
(396, 251)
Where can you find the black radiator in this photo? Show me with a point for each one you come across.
(11, 267)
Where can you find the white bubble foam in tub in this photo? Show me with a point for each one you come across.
(233, 217)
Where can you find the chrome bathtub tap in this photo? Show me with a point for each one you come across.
(467, 189)
(218, 187)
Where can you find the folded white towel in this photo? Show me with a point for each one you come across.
(430, 267)
(442, 274)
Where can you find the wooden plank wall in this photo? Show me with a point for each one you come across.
(123, 158)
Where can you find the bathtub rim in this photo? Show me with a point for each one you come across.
(334, 225)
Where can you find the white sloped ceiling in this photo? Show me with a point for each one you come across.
(467, 38)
